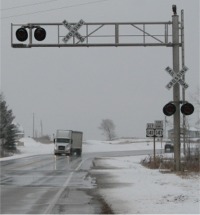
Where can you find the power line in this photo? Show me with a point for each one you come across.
(43, 11)
(27, 5)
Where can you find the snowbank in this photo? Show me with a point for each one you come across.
(30, 148)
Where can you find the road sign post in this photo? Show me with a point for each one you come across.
(154, 130)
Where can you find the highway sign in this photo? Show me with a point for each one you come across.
(150, 125)
(158, 124)
(159, 132)
(73, 31)
(155, 129)
(150, 132)
(176, 78)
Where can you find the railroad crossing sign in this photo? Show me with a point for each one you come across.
(176, 78)
(73, 31)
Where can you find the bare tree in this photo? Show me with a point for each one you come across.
(108, 128)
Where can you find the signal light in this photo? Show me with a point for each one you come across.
(187, 109)
(21, 34)
(169, 109)
(40, 34)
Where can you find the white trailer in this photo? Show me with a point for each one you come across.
(62, 142)
(77, 140)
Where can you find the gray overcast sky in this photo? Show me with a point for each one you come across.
(75, 88)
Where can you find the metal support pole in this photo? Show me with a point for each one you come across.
(176, 91)
(154, 149)
(183, 89)
(30, 34)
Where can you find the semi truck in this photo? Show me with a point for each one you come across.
(68, 142)
(62, 142)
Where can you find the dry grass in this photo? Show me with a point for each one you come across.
(189, 163)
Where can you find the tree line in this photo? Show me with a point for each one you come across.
(7, 128)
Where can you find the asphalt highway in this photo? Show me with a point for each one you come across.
(48, 184)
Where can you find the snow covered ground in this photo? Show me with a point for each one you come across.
(129, 187)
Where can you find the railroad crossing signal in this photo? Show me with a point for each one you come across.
(40, 34)
(187, 109)
(176, 78)
(22, 34)
(73, 31)
(169, 109)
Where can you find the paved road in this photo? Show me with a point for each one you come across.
(51, 184)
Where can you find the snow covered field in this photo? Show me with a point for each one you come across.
(129, 187)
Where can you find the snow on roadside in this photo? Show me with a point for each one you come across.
(120, 145)
(30, 148)
(129, 187)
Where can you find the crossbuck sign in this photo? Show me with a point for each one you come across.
(176, 78)
(73, 31)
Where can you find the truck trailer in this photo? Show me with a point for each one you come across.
(77, 140)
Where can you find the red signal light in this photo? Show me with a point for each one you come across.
(21, 34)
(169, 109)
(40, 34)
(187, 109)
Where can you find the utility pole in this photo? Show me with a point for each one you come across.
(33, 125)
(41, 128)
(176, 90)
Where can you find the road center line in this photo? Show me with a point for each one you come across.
(57, 196)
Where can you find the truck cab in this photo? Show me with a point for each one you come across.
(62, 142)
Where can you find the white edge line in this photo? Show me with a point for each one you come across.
(57, 196)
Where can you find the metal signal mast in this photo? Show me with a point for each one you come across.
(91, 34)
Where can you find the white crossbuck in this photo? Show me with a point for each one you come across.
(73, 31)
(176, 78)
